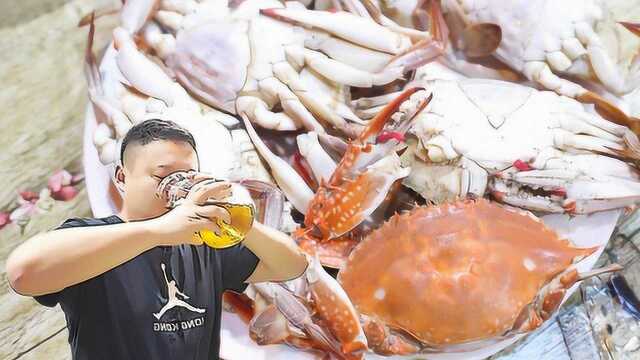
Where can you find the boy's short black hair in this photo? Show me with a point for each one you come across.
(153, 130)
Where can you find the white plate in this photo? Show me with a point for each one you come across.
(584, 231)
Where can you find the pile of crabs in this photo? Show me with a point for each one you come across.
(413, 138)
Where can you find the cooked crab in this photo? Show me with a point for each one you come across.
(117, 107)
(579, 49)
(528, 148)
(431, 274)
(248, 59)
(448, 257)
(311, 313)
(541, 39)
(427, 280)
(357, 186)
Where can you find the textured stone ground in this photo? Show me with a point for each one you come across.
(42, 104)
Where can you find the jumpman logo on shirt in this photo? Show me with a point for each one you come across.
(173, 301)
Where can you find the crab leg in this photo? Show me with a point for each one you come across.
(633, 27)
(540, 72)
(299, 316)
(375, 13)
(322, 165)
(356, 56)
(551, 296)
(591, 132)
(586, 163)
(332, 98)
(375, 101)
(314, 101)
(603, 66)
(583, 194)
(385, 342)
(333, 305)
(258, 111)
(135, 13)
(334, 143)
(344, 25)
(292, 184)
(269, 327)
(409, 104)
(290, 103)
(348, 75)
(112, 122)
(141, 72)
(427, 49)
(363, 32)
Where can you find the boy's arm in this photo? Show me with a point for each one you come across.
(52, 261)
(280, 257)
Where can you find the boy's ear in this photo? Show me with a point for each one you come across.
(120, 177)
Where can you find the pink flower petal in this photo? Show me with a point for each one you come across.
(4, 219)
(29, 196)
(58, 180)
(76, 178)
(23, 212)
(66, 193)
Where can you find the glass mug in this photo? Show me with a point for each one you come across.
(175, 187)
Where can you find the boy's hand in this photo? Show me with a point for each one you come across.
(178, 225)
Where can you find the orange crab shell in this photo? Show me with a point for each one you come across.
(455, 273)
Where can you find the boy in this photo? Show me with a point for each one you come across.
(136, 285)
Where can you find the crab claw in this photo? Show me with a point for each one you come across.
(563, 183)
(298, 315)
(367, 170)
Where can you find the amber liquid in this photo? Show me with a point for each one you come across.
(230, 234)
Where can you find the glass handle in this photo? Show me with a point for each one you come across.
(269, 202)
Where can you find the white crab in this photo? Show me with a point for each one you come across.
(543, 39)
(528, 148)
(248, 59)
(577, 48)
(118, 106)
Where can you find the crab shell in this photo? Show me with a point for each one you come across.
(456, 273)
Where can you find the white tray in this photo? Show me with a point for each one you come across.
(584, 231)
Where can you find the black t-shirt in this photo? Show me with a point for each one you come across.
(163, 304)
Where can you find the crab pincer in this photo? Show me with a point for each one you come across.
(361, 180)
